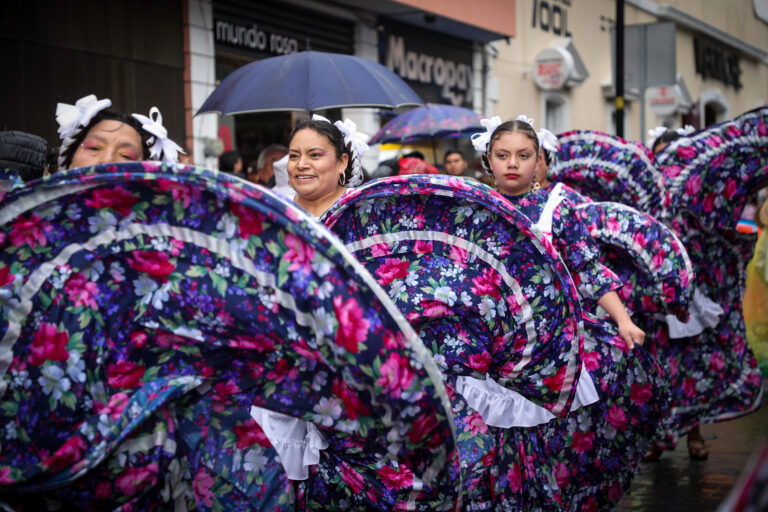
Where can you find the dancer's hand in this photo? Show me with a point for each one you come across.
(631, 334)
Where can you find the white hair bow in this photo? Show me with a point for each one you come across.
(480, 141)
(72, 119)
(357, 142)
(661, 130)
(161, 145)
(547, 139)
(524, 118)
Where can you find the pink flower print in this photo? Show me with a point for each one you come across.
(379, 250)
(250, 222)
(5, 476)
(591, 360)
(179, 191)
(67, 454)
(693, 185)
(30, 231)
(435, 308)
(353, 406)
(617, 418)
(480, 362)
(487, 284)
(689, 387)
(133, 480)
(730, 189)
(562, 474)
(202, 487)
(353, 328)
(117, 198)
(258, 342)
(48, 344)
(250, 433)
(672, 171)
(138, 339)
(717, 362)
(514, 478)
(582, 441)
(124, 374)
(6, 277)
(352, 478)
(114, 408)
(459, 255)
(155, 264)
(396, 374)
(422, 247)
(686, 152)
(392, 269)
(103, 490)
(81, 291)
(639, 239)
(299, 253)
(477, 425)
(221, 393)
(733, 131)
(394, 479)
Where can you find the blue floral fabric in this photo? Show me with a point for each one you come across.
(146, 308)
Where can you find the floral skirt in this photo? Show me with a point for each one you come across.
(587, 460)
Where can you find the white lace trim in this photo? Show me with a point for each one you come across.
(704, 313)
(298, 442)
(505, 408)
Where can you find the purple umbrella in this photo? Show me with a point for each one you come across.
(433, 121)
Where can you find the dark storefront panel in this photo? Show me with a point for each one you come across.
(436, 66)
(128, 51)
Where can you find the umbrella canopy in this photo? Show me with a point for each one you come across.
(432, 121)
(143, 310)
(309, 81)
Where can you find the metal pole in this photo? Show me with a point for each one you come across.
(619, 78)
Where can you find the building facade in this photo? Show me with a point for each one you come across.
(703, 62)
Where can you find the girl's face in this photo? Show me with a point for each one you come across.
(513, 163)
(313, 169)
(108, 141)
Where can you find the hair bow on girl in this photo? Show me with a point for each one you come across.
(160, 143)
(547, 139)
(524, 118)
(661, 130)
(481, 140)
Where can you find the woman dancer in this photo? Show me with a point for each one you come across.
(323, 161)
(586, 460)
(91, 135)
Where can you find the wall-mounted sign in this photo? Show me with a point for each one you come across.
(439, 68)
(716, 62)
(251, 37)
(558, 66)
(663, 100)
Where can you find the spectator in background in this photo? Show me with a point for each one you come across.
(24, 153)
(454, 162)
(263, 173)
(230, 162)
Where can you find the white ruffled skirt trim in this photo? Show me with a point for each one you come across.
(704, 313)
(505, 408)
(298, 442)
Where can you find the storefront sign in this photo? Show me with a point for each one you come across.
(552, 68)
(663, 100)
(440, 73)
(551, 15)
(716, 62)
(250, 37)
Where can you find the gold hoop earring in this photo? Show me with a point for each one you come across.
(535, 186)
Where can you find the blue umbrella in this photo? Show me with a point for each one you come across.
(309, 81)
(432, 121)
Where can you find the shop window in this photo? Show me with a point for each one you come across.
(714, 107)
(555, 110)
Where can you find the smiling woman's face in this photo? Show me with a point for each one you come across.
(108, 141)
(313, 168)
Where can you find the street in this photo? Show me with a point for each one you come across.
(676, 483)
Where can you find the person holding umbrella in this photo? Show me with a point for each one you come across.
(324, 159)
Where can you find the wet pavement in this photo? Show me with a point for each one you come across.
(676, 483)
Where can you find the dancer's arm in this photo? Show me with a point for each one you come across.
(631, 333)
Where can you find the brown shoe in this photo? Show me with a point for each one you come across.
(652, 454)
(697, 450)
